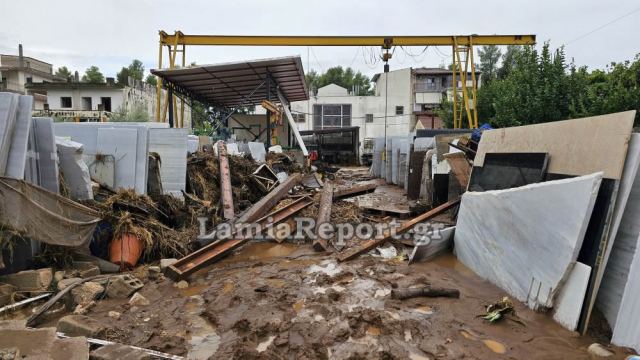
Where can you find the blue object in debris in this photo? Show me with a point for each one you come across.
(477, 133)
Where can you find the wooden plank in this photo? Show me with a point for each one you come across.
(373, 243)
(270, 200)
(324, 215)
(225, 182)
(219, 249)
(357, 188)
(460, 167)
(576, 147)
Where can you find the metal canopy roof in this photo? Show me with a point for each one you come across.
(229, 84)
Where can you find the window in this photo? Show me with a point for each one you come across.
(327, 116)
(399, 110)
(86, 103)
(106, 103)
(65, 102)
(299, 117)
(368, 118)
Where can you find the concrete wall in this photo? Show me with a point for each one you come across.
(54, 96)
(400, 94)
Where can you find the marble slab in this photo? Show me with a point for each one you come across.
(526, 239)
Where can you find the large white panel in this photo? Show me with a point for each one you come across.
(569, 302)
(627, 330)
(121, 143)
(17, 160)
(47, 154)
(8, 110)
(526, 239)
(171, 145)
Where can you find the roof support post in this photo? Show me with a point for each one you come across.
(268, 111)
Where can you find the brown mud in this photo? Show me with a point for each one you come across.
(283, 301)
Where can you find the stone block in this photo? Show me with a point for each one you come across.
(62, 284)
(75, 348)
(164, 263)
(122, 286)
(30, 280)
(80, 325)
(119, 352)
(6, 292)
(86, 269)
(31, 343)
(138, 300)
(87, 292)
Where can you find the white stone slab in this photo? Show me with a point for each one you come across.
(432, 244)
(121, 143)
(258, 152)
(76, 172)
(627, 329)
(171, 145)
(47, 154)
(571, 297)
(525, 239)
(8, 110)
(623, 234)
(17, 160)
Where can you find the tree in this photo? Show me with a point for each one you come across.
(135, 70)
(356, 82)
(489, 58)
(93, 75)
(151, 80)
(64, 72)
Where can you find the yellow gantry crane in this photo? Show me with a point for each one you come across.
(462, 49)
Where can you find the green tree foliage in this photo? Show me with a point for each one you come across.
(151, 80)
(135, 70)
(539, 86)
(489, 59)
(346, 78)
(93, 75)
(64, 72)
(138, 113)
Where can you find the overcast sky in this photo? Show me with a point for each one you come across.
(110, 33)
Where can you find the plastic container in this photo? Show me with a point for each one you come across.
(126, 251)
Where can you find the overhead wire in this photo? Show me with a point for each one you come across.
(603, 26)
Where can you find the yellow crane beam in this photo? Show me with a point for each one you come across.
(462, 49)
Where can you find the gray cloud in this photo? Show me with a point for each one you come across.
(80, 33)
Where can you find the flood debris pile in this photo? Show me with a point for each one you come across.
(238, 251)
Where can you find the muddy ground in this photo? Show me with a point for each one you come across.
(283, 301)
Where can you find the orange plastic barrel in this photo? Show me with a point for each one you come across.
(126, 251)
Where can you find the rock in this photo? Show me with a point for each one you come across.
(599, 350)
(82, 309)
(10, 354)
(62, 284)
(181, 284)
(122, 286)
(114, 315)
(86, 269)
(75, 348)
(30, 280)
(154, 271)
(86, 292)
(31, 343)
(119, 351)
(138, 300)
(80, 325)
(6, 293)
(164, 263)
(59, 275)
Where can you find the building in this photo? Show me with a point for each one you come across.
(16, 71)
(413, 96)
(80, 101)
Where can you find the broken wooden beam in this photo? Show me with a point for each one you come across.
(324, 215)
(270, 200)
(371, 244)
(357, 188)
(402, 294)
(221, 248)
(225, 182)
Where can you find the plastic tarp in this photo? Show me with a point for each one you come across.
(44, 216)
